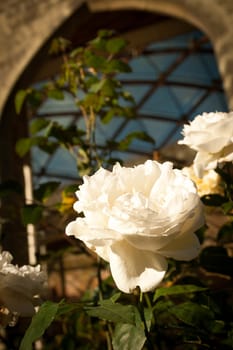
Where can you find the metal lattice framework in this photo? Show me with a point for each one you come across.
(171, 81)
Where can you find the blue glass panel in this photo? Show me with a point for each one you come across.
(39, 159)
(62, 163)
(162, 61)
(53, 106)
(214, 102)
(187, 96)
(210, 64)
(192, 70)
(158, 130)
(138, 91)
(162, 103)
(141, 70)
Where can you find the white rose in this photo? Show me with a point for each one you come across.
(136, 217)
(19, 286)
(208, 184)
(211, 135)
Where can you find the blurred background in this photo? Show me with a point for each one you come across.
(181, 56)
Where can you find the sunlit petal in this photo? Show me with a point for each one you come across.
(184, 247)
(133, 268)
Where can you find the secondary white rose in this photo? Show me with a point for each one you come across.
(136, 217)
(208, 184)
(211, 135)
(19, 286)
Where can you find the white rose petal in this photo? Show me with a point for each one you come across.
(185, 247)
(211, 135)
(132, 216)
(133, 268)
(16, 302)
(19, 286)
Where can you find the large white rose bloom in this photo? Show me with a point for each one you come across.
(136, 217)
(19, 286)
(211, 135)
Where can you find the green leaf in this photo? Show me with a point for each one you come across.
(76, 52)
(92, 60)
(59, 45)
(35, 98)
(108, 116)
(40, 322)
(128, 337)
(92, 100)
(140, 135)
(105, 87)
(201, 233)
(38, 124)
(112, 112)
(114, 312)
(97, 86)
(45, 190)
(176, 290)
(162, 307)
(31, 213)
(53, 129)
(65, 308)
(23, 146)
(199, 316)
(56, 94)
(105, 33)
(117, 111)
(227, 207)
(48, 147)
(115, 45)
(127, 96)
(20, 98)
(98, 44)
(115, 297)
(116, 66)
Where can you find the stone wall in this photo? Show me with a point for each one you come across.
(24, 26)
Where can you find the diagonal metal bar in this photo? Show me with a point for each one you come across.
(161, 81)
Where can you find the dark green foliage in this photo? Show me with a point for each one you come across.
(216, 259)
